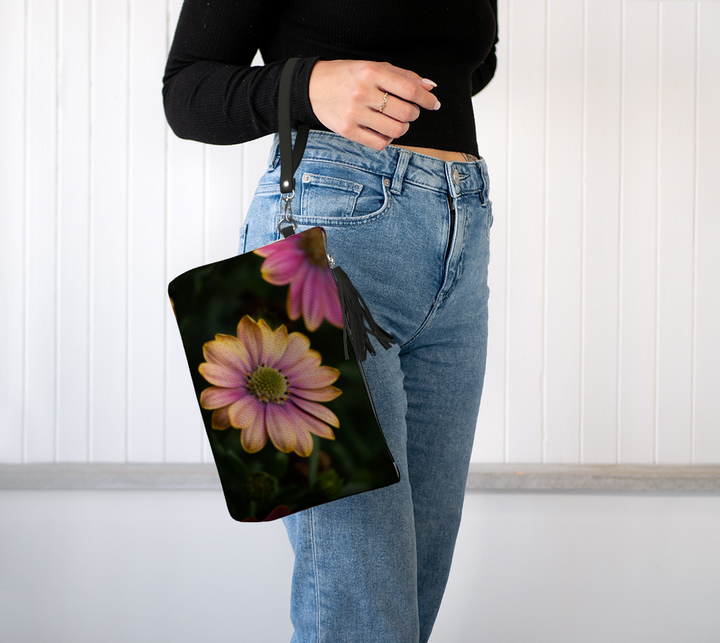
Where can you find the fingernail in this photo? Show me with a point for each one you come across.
(427, 80)
(437, 105)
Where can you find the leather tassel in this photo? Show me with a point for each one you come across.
(355, 314)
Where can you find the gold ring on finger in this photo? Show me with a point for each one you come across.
(383, 103)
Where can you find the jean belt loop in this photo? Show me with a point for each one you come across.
(485, 178)
(400, 168)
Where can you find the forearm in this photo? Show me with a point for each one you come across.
(224, 104)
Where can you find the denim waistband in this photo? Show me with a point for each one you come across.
(455, 177)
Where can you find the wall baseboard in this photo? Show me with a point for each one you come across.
(595, 477)
(482, 477)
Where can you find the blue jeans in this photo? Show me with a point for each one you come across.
(373, 567)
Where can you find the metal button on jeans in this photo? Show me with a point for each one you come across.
(456, 176)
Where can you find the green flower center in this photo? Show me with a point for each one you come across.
(268, 384)
(313, 245)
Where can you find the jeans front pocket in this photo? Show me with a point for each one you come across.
(337, 195)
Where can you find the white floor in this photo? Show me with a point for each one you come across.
(537, 567)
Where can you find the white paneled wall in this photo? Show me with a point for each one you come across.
(602, 137)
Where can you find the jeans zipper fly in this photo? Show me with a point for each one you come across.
(452, 226)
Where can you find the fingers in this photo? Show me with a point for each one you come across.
(407, 93)
(385, 125)
(396, 108)
(370, 138)
(394, 121)
(404, 84)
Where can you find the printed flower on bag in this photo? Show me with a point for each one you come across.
(299, 260)
(279, 512)
(269, 383)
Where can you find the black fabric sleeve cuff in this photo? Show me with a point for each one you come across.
(301, 110)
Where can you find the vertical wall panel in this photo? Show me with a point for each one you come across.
(601, 231)
(563, 283)
(184, 432)
(638, 234)
(677, 220)
(40, 305)
(12, 230)
(108, 232)
(491, 121)
(148, 303)
(223, 196)
(526, 231)
(73, 230)
(707, 238)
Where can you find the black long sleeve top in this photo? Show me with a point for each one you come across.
(211, 93)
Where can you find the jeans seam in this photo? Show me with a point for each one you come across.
(462, 257)
(315, 569)
(310, 157)
(489, 219)
(433, 310)
(243, 238)
(438, 303)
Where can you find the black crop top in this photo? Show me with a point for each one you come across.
(211, 93)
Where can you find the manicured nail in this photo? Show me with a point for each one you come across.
(427, 80)
(437, 105)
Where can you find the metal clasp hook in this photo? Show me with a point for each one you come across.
(287, 212)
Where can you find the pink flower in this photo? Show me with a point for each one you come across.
(269, 383)
(300, 260)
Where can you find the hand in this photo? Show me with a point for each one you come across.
(346, 95)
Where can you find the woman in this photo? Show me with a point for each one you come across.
(414, 242)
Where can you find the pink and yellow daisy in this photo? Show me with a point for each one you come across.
(300, 260)
(269, 383)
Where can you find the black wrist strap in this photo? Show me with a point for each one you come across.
(354, 309)
(292, 156)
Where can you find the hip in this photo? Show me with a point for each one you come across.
(408, 229)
